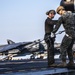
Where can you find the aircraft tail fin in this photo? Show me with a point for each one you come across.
(10, 41)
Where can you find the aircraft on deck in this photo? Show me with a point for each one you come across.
(37, 47)
(14, 49)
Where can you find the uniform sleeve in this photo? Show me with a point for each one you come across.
(55, 22)
(51, 22)
(58, 24)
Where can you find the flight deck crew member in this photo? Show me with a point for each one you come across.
(67, 19)
(49, 24)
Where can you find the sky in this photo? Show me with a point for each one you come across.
(23, 20)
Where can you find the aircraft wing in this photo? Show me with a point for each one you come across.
(13, 46)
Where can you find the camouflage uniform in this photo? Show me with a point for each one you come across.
(67, 19)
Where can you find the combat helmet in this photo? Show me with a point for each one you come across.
(60, 8)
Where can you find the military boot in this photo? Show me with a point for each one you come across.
(53, 65)
(63, 64)
(71, 64)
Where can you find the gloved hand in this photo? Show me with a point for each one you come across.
(52, 35)
(47, 37)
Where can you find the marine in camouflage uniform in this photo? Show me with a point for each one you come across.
(49, 24)
(67, 19)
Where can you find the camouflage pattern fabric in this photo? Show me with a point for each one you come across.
(67, 19)
(68, 22)
(66, 47)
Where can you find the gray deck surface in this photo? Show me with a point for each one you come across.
(30, 67)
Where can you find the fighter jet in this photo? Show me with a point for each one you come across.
(13, 49)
